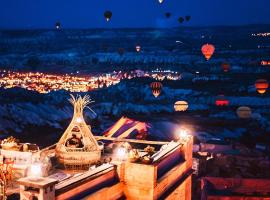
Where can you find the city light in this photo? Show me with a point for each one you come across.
(45, 83)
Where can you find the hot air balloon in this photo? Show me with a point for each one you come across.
(138, 48)
(57, 25)
(108, 15)
(180, 106)
(222, 101)
(156, 88)
(244, 112)
(208, 50)
(181, 20)
(167, 14)
(261, 85)
(121, 51)
(187, 17)
(225, 67)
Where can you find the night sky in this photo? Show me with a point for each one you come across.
(130, 13)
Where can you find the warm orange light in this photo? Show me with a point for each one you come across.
(182, 133)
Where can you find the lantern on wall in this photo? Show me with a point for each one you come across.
(208, 50)
(244, 112)
(225, 67)
(156, 88)
(222, 101)
(261, 86)
(108, 15)
(180, 106)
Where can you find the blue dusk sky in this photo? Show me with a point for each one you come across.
(130, 13)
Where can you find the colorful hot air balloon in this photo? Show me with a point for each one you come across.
(181, 20)
(225, 67)
(261, 86)
(222, 101)
(57, 25)
(244, 112)
(138, 48)
(156, 88)
(167, 14)
(187, 17)
(180, 106)
(208, 50)
(108, 15)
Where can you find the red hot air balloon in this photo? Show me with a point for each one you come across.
(138, 48)
(225, 67)
(261, 86)
(222, 101)
(156, 88)
(208, 50)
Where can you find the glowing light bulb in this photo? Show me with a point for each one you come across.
(121, 153)
(79, 120)
(182, 133)
(35, 170)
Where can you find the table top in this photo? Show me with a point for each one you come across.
(41, 182)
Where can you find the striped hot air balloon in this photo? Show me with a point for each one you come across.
(261, 86)
(244, 112)
(208, 50)
(156, 88)
(180, 106)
